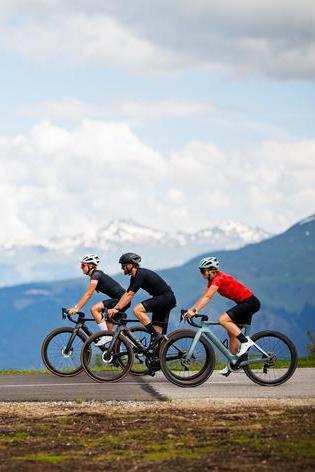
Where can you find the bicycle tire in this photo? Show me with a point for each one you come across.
(284, 360)
(102, 365)
(53, 356)
(176, 370)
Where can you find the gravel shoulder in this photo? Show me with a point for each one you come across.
(176, 435)
(43, 409)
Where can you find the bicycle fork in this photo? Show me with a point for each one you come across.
(67, 351)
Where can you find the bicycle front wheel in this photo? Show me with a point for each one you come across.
(182, 370)
(60, 356)
(280, 363)
(105, 363)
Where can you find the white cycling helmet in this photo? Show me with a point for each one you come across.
(209, 263)
(90, 259)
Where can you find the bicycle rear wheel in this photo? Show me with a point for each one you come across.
(180, 370)
(54, 352)
(104, 364)
(281, 364)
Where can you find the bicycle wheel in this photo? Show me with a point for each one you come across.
(139, 365)
(55, 357)
(180, 370)
(282, 362)
(104, 364)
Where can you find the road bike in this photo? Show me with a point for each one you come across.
(188, 358)
(61, 348)
(128, 350)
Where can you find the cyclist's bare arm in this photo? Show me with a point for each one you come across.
(202, 302)
(85, 298)
(125, 299)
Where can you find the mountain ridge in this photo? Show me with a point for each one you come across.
(59, 257)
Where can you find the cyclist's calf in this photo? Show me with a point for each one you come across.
(141, 314)
(232, 330)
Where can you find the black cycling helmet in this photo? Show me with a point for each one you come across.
(130, 258)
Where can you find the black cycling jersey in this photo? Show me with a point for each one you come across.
(107, 285)
(149, 281)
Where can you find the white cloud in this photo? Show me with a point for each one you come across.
(240, 37)
(165, 108)
(77, 39)
(57, 182)
(135, 110)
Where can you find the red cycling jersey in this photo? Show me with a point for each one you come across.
(230, 288)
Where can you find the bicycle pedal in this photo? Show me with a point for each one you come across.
(227, 374)
(151, 373)
(236, 365)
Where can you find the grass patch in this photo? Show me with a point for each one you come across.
(306, 362)
(22, 371)
(302, 362)
(79, 401)
(42, 457)
(300, 448)
(13, 437)
(173, 450)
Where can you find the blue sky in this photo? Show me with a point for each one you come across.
(179, 115)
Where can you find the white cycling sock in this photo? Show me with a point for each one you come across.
(102, 325)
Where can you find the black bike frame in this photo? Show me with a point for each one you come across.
(122, 329)
(79, 325)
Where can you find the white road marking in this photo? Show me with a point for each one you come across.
(67, 384)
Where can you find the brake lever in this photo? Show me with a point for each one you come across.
(182, 317)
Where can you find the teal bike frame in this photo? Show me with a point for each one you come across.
(234, 360)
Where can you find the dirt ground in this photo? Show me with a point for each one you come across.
(173, 436)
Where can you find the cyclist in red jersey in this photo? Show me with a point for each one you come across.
(246, 305)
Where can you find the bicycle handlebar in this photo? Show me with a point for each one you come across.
(65, 314)
(118, 318)
(190, 320)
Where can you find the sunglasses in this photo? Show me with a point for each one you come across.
(204, 270)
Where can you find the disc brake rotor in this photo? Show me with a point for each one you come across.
(69, 354)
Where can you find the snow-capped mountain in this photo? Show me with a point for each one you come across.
(228, 235)
(58, 258)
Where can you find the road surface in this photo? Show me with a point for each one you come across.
(46, 387)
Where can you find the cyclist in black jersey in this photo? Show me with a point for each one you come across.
(99, 282)
(162, 297)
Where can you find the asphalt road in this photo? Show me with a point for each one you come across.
(46, 387)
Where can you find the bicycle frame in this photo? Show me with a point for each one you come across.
(204, 329)
(122, 328)
(79, 325)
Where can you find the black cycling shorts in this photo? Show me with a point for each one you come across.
(242, 312)
(160, 307)
(112, 302)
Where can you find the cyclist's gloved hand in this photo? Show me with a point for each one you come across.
(189, 314)
(73, 310)
(111, 312)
